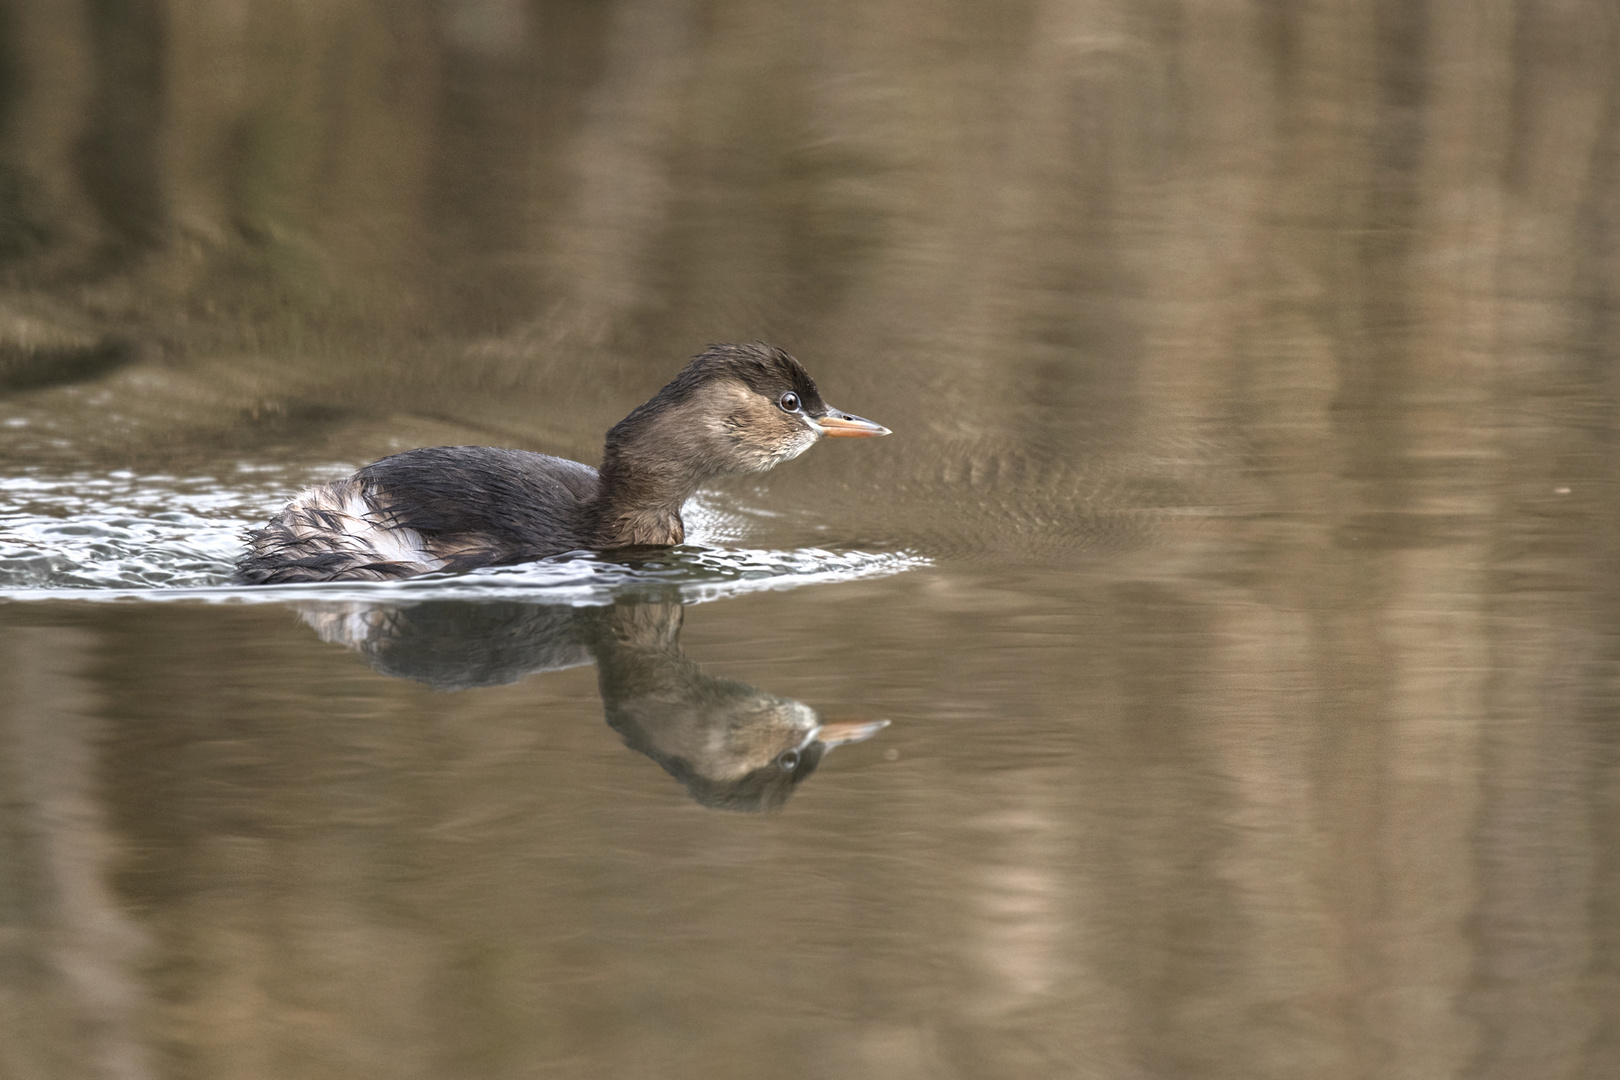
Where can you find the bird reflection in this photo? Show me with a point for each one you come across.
(733, 745)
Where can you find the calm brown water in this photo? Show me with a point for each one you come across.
(1241, 584)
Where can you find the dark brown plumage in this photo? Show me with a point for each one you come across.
(733, 409)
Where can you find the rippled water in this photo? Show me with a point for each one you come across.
(120, 536)
(120, 531)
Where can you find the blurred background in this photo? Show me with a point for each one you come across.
(1253, 666)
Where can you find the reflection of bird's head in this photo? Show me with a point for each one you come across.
(754, 748)
(759, 747)
(733, 745)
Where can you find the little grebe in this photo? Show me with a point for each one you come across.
(733, 409)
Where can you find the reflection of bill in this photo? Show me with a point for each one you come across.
(732, 745)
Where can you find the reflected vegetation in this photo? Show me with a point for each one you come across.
(734, 746)
(1254, 680)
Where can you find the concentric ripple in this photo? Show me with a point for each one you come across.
(120, 536)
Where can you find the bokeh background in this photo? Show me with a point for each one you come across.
(1253, 372)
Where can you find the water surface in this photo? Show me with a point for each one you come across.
(1239, 585)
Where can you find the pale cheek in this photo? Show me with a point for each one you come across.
(760, 461)
(800, 444)
(757, 452)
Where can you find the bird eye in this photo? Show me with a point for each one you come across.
(788, 760)
(789, 402)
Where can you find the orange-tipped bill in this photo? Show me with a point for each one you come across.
(840, 732)
(841, 425)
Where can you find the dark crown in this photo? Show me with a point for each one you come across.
(763, 368)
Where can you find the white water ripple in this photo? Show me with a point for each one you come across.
(119, 536)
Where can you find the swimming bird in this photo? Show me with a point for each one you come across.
(733, 409)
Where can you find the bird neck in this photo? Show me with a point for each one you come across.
(640, 498)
